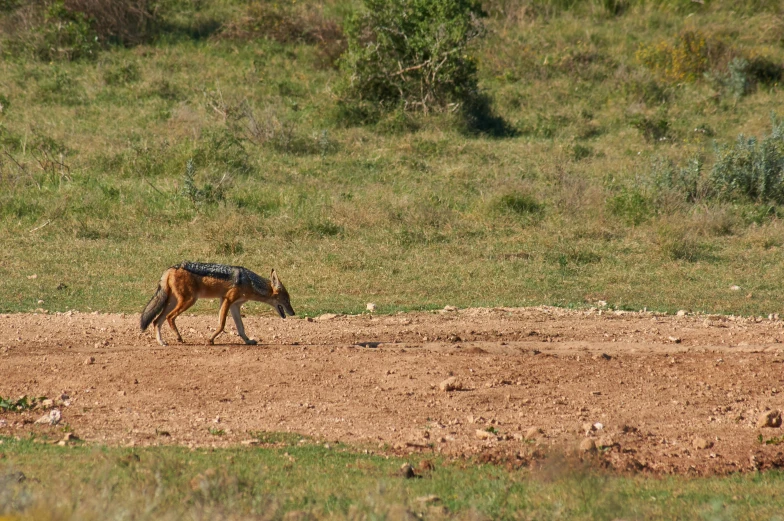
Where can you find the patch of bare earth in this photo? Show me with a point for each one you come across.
(657, 393)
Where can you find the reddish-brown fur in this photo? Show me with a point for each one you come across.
(183, 288)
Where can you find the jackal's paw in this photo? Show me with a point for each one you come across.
(251, 342)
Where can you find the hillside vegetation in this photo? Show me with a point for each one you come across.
(621, 151)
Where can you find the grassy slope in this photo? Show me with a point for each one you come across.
(250, 483)
(412, 220)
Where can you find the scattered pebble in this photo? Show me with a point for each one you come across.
(371, 307)
(587, 445)
(450, 384)
(533, 433)
(89, 360)
(407, 471)
(770, 418)
(701, 443)
(485, 435)
(51, 418)
(605, 442)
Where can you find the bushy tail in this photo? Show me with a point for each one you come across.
(154, 307)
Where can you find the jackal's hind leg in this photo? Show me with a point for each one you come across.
(171, 303)
(182, 305)
(237, 316)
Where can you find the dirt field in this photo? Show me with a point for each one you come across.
(672, 393)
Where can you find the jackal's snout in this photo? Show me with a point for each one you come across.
(285, 309)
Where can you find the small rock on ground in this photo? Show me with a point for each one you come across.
(485, 435)
(769, 419)
(533, 433)
(450, 384)
(407, 471)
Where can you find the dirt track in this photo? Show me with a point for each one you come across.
(654, 383)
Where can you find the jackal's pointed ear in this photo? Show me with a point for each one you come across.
(275, 280)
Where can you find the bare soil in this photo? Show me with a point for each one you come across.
(658, 393)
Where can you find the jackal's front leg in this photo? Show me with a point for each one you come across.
(224, 309)
(237, 316)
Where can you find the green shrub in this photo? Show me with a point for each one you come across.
(745, 75)
(545, 125)
(652, 129)
(60, 88)
(580, 152)
(631, 206)
(519, 203)
(687, 58)
(687, 181)
(206, 194)
(324, 228)
(68, 35)
(119, 22)
(9, 139)
(413, 53)
(9, 5)
(122, 74)
(752, 168)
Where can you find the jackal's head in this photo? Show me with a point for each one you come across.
(280, 297)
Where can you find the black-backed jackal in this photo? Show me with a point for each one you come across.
(182, 285)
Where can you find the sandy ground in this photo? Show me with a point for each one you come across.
(655, 393)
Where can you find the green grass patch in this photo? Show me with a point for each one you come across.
(21, 404)
(319, 481)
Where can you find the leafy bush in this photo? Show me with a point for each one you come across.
(631, 206)
(753, 168)
(687, 181)
(413, 53)
(67, 35)
(652, 129)
(519, 203)
(686, 59)
(207, 194)
(744, 75)
(123, 22)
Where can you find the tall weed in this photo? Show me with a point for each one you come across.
(686, 59)
(753, 168)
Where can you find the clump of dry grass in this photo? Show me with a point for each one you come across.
(289, 22)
